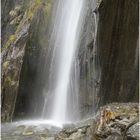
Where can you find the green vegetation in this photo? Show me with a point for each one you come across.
(10, 40)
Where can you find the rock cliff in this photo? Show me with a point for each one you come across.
(108, 58)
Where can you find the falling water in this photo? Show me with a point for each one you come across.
(63, 87)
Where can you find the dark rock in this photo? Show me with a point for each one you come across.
(109, 126)
(117, 41)
(109, 60)
(133, 132)
(15, 44)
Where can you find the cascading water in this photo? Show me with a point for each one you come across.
(67, 34)
(63, 86)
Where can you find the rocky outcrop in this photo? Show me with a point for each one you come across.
(89, 62)
(117, 121)
(24, 19)
(113, 121)
(117, 41)
(109, 59)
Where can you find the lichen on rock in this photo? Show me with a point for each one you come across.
(13, 51)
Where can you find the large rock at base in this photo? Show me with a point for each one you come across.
(116, 121)
(113, 121)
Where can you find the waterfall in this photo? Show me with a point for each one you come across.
(64, 70)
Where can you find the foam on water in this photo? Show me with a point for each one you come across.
(40, 122)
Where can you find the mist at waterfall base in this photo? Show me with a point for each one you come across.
(61, 91)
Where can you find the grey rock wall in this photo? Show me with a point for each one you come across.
(20, 38)
(109, 61)
(117, 42)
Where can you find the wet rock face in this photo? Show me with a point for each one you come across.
(27, 98)
(19, 43)
(117, 42)
(88, 61)
(109, 71)
(12, 13)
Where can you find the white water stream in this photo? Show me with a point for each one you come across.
(63, 71)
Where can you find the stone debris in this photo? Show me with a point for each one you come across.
(117, 121)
